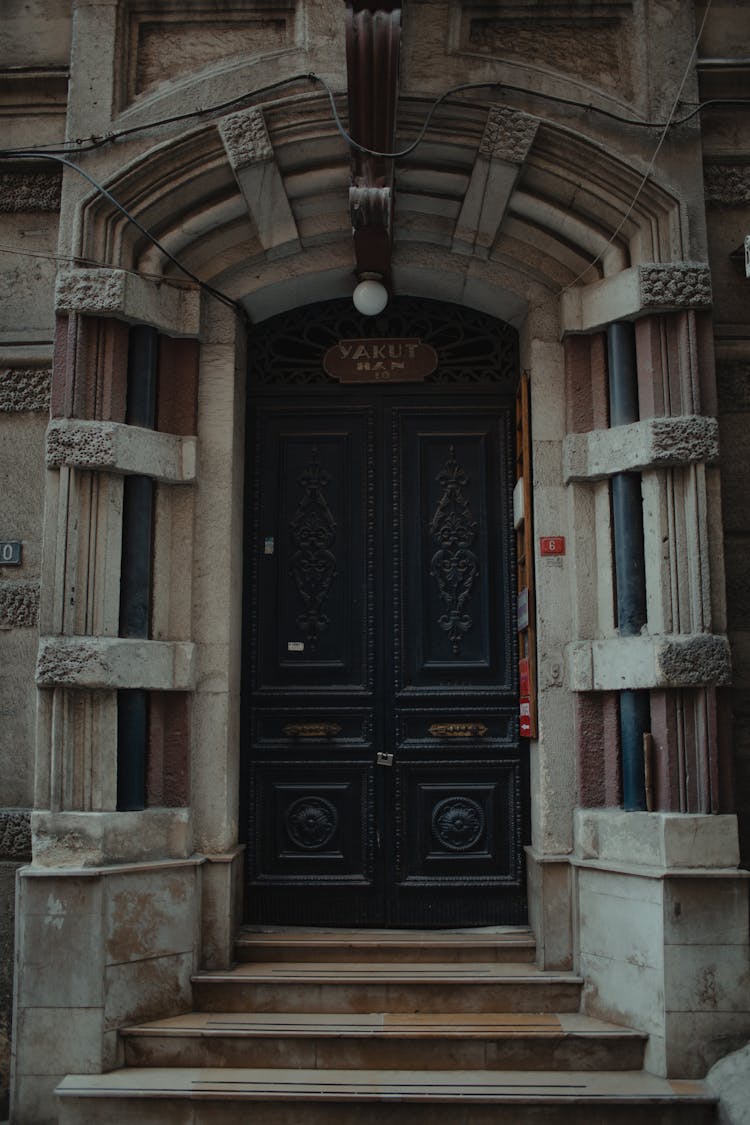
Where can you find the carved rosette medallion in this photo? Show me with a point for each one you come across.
(454, 565)
(313, 531)
(311, 822)
(458, 823)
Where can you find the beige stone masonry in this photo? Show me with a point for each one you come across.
(138, 300)
(93, 839)
(631, 663)
(642, 289)
(662, 940)
(115, 447)
(666, 841)
(250, 154)
(507, 138)
(652, 443)
(116, 662)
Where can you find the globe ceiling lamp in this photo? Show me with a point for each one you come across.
(370, 296)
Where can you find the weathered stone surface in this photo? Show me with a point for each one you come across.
(652, 443)
(15, 834)
(245, 137)
(122, 449)
(508, 135)
(167, 48)
(95, 839)
(727, 184)
(729, 1080)
(113, 292)
(116, 662)
(19, 604)
(592, 47)
(30, 191)
(675, 285)
(631, 663)
(24, 389)
(635, 292)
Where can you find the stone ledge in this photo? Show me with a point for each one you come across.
(138, 300)
(671, 842)
(664, 661)
(104, 841)
(635, 292)
(118, 448)
(115, 663)
(651, 444)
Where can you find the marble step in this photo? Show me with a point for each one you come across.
(421, 1042)
(392, 987)
(204, 1096)
(493, 944)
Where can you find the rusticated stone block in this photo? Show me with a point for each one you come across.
(128, 296)
(119, 448)
(30, 191)
(675, 285)
(678, 441)
(24, 389)
(89, 446)
(15, 834)
(508, 135)
(115, 662)
(727, 185)
(19, 604)
(246, 138)
(90, 291)
(693, 661)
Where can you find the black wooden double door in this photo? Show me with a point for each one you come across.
(386, 780)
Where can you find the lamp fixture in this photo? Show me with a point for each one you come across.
(370, 296)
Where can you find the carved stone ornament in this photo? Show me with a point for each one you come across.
(246, 138)
(458, 823)
(454, 565)
(19, 605)
(311, 822)
(508, 135)
(15, 834)
(675, 285)
(24, 389)
(29, 191)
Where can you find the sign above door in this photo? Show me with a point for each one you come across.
(380, 360)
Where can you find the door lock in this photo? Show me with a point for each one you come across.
(384, 759)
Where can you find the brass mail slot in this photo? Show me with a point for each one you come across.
(458, 730)
(312, 730)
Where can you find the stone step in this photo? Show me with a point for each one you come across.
(421, 1042)
(392, 987)
(493, 944)
(389, 1097)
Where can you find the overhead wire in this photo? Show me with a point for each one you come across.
(61, 153)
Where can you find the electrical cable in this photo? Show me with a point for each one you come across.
(652, 161)
(216, 293)
(95, 142)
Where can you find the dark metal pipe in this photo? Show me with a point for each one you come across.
(135, 571)
(630, 565)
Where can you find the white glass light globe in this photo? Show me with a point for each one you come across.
(370, 297)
